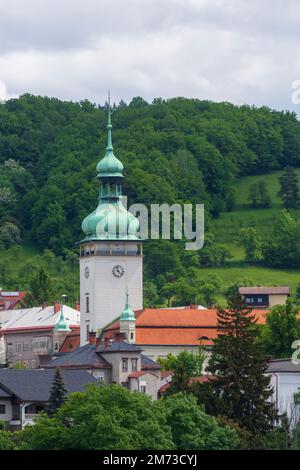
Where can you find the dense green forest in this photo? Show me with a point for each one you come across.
(178, 150)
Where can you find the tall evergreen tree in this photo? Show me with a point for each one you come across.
(289, 188)
(240, 389)
(40, 289)
(265, 200)
(253, 195)
(57, 393)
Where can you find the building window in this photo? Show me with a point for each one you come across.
(87, 304)
(132, 335)
(87, 331)
(143, 388)
(10, 349)
(27, 347)
(18, 347)
(124, 365)
(2, 409)
(133, 364)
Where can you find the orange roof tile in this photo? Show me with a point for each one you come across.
(176, 326)
(137, 374)
(175, 336)
(180, 317)
(71, 342)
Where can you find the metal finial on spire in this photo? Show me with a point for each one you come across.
(109, 126)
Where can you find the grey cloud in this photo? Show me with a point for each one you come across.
(234, 50)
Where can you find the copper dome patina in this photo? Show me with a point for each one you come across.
(110, 220)
(109, 166)
(127, 314)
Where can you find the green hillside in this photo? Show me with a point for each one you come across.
(174, 151)
(227, 226)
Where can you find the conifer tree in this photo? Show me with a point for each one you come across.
(265, 200)
(57, 393)
(289, 188)
(240, 389)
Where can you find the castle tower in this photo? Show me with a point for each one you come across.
(111, 253)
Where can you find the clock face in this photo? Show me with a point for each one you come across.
(118, 270)
(86, 272)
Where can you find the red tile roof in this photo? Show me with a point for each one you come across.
(137, 374)
(201, 379)
(181, 327)
(165, 373)
(71, 341)
(11, 299)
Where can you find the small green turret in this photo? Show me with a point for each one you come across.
(127, 322)
(127, 314)
(61, 324)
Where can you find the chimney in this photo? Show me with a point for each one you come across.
(107, 342)
(56, 306)
(77, 305)
(98, 341)
(92, 338)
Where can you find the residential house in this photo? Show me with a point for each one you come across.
(24, 393)
(265, 297)
(285, 380)
(32, 335)
(11, 300)
(113, 362)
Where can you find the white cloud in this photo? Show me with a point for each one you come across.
(233, 50)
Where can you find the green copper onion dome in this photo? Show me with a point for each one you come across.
(111, 220)
(61, 324)
(127, 314)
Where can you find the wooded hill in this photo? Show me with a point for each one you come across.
(179, 150)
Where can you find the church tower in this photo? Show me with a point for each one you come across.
(111, 259)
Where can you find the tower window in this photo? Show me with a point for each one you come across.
(87, 331)
(87, 304)
(131, 335)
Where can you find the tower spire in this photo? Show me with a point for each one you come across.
(109, 126)
(127, 313)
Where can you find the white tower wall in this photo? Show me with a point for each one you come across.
(105, 290)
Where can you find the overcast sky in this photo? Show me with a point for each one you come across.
(243, 51)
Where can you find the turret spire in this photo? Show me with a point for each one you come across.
(109, 167)
(127, 313)
(111, 220)
(109, 126)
